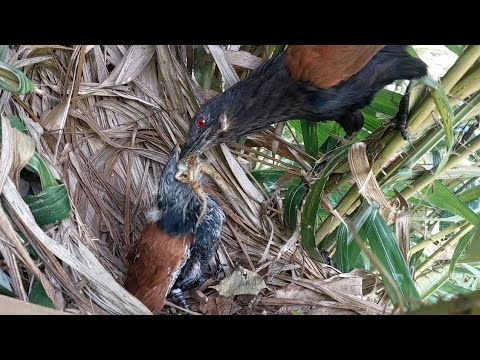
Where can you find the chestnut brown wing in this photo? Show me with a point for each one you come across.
(154, 265)
(325, 66)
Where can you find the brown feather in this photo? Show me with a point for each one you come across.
(325, 66)
(155, 263)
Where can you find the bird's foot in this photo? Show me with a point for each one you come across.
(401, 117)
(351, 122)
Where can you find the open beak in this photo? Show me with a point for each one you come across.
(191, 147)
(173, 158)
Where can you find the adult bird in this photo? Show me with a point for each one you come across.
(177, 244)
(310, 82)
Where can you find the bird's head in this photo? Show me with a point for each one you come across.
(210, 126)
(167, 178)
(178, 206)
(264, 97)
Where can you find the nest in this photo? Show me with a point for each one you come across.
(106, 120)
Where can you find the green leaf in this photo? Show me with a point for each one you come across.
(296, 126)
(429, 282)
(471, 269)
(469, 195)
(459, 249)
(472, 252)
(6, 292)
(50, 206)
(328, 135)
(267, 177)
(384, 245)
(385, 102)
(5, 287)
(39, 296)
(293, 201)
(313, 201)
(14, 80)
(448, 291)
(310, 139)
(445, 110)
(457, 49)
(16, 123)
(347, 254)
(383, 108)
(31, 251)
(37, 165)
(440, 196)
(411, 51)
(3, 52)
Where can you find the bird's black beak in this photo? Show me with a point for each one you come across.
(173, 159)
(192, 146)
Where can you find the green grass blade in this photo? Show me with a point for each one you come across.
(37, 165)
(293, 201)
(347, 253)
(385, 102)
(50, 206)
(448, 291)
(310, 139)
(440, 196)
(267, 177)
(3, 52)
(5, 287)
(384, 246)
(445, 110)
(13, 80)
(39, 296)
(429, 282)
(469, 195)
(472, 252)
(456, 49)
(6, 292)
(471, 270)
(16, 123)
(313, 204)
(459, 249)
(296, 126)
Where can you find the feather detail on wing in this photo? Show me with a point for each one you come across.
(325, 66)
(154, 265)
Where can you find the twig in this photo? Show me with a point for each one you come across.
(181, 308)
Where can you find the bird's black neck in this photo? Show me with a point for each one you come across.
(270, 95)
(178, 208)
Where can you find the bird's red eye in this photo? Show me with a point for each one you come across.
(201, 123)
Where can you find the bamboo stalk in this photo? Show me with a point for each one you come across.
(420, 120)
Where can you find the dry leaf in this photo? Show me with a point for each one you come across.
(131, 65)
(16, 151)
(366, 182)
(297, 299)
(242, 178)
(55, 118)
(219, 306)
(227, 71)
(241, 282)
(242, 59)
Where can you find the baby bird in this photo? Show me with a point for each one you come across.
(174, 251)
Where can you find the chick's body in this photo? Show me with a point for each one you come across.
(173, 253)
